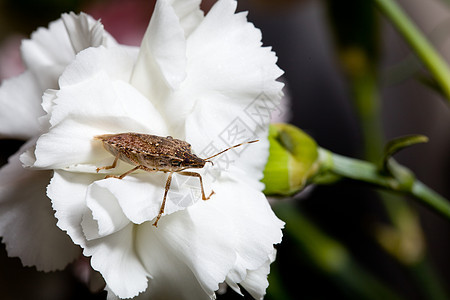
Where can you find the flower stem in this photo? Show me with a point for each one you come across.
(368, 172)
(424, 50)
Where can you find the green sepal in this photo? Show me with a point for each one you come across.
(292, 160)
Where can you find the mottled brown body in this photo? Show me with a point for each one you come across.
(153, 153)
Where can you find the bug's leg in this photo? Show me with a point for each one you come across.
(193, 174)
(124, 174)
(114, 164)
(163, 205)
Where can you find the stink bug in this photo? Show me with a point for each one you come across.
(153, 153)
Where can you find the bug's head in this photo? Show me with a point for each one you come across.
(188, 161)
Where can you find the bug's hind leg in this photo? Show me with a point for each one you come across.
(163, 205)
(193, 174)
(114, 164)
(124, 174)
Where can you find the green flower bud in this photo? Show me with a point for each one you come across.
(292, 160)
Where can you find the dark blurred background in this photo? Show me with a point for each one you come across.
(311, 38)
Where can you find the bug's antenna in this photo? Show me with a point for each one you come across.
(231, 148)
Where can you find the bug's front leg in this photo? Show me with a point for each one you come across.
(193, 174)
(163, 205)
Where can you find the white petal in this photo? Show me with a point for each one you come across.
(196, 236)
(234, 286)
(48, 102)
(142, 296)
(50, 50)
(162, 58)
(47, 105)
(104, 216)
(47, 53)
(68, 194)
(226, 41)
(85, 32)
(20, 99)
(116, 62)
(27, 158)
(115, 258)
(174, 279)
(113, 255)
(171, 278)
(256, 226)
(187, 243)
(189, 13)
(256, 281)
(27, 221)
(101, 99)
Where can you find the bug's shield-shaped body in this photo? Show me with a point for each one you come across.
(153, 153)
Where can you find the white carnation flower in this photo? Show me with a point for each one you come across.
(202, 79)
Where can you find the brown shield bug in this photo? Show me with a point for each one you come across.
(153, 153)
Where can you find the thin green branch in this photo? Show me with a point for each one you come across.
(431, 198)
(423, 48)
(369, 173)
